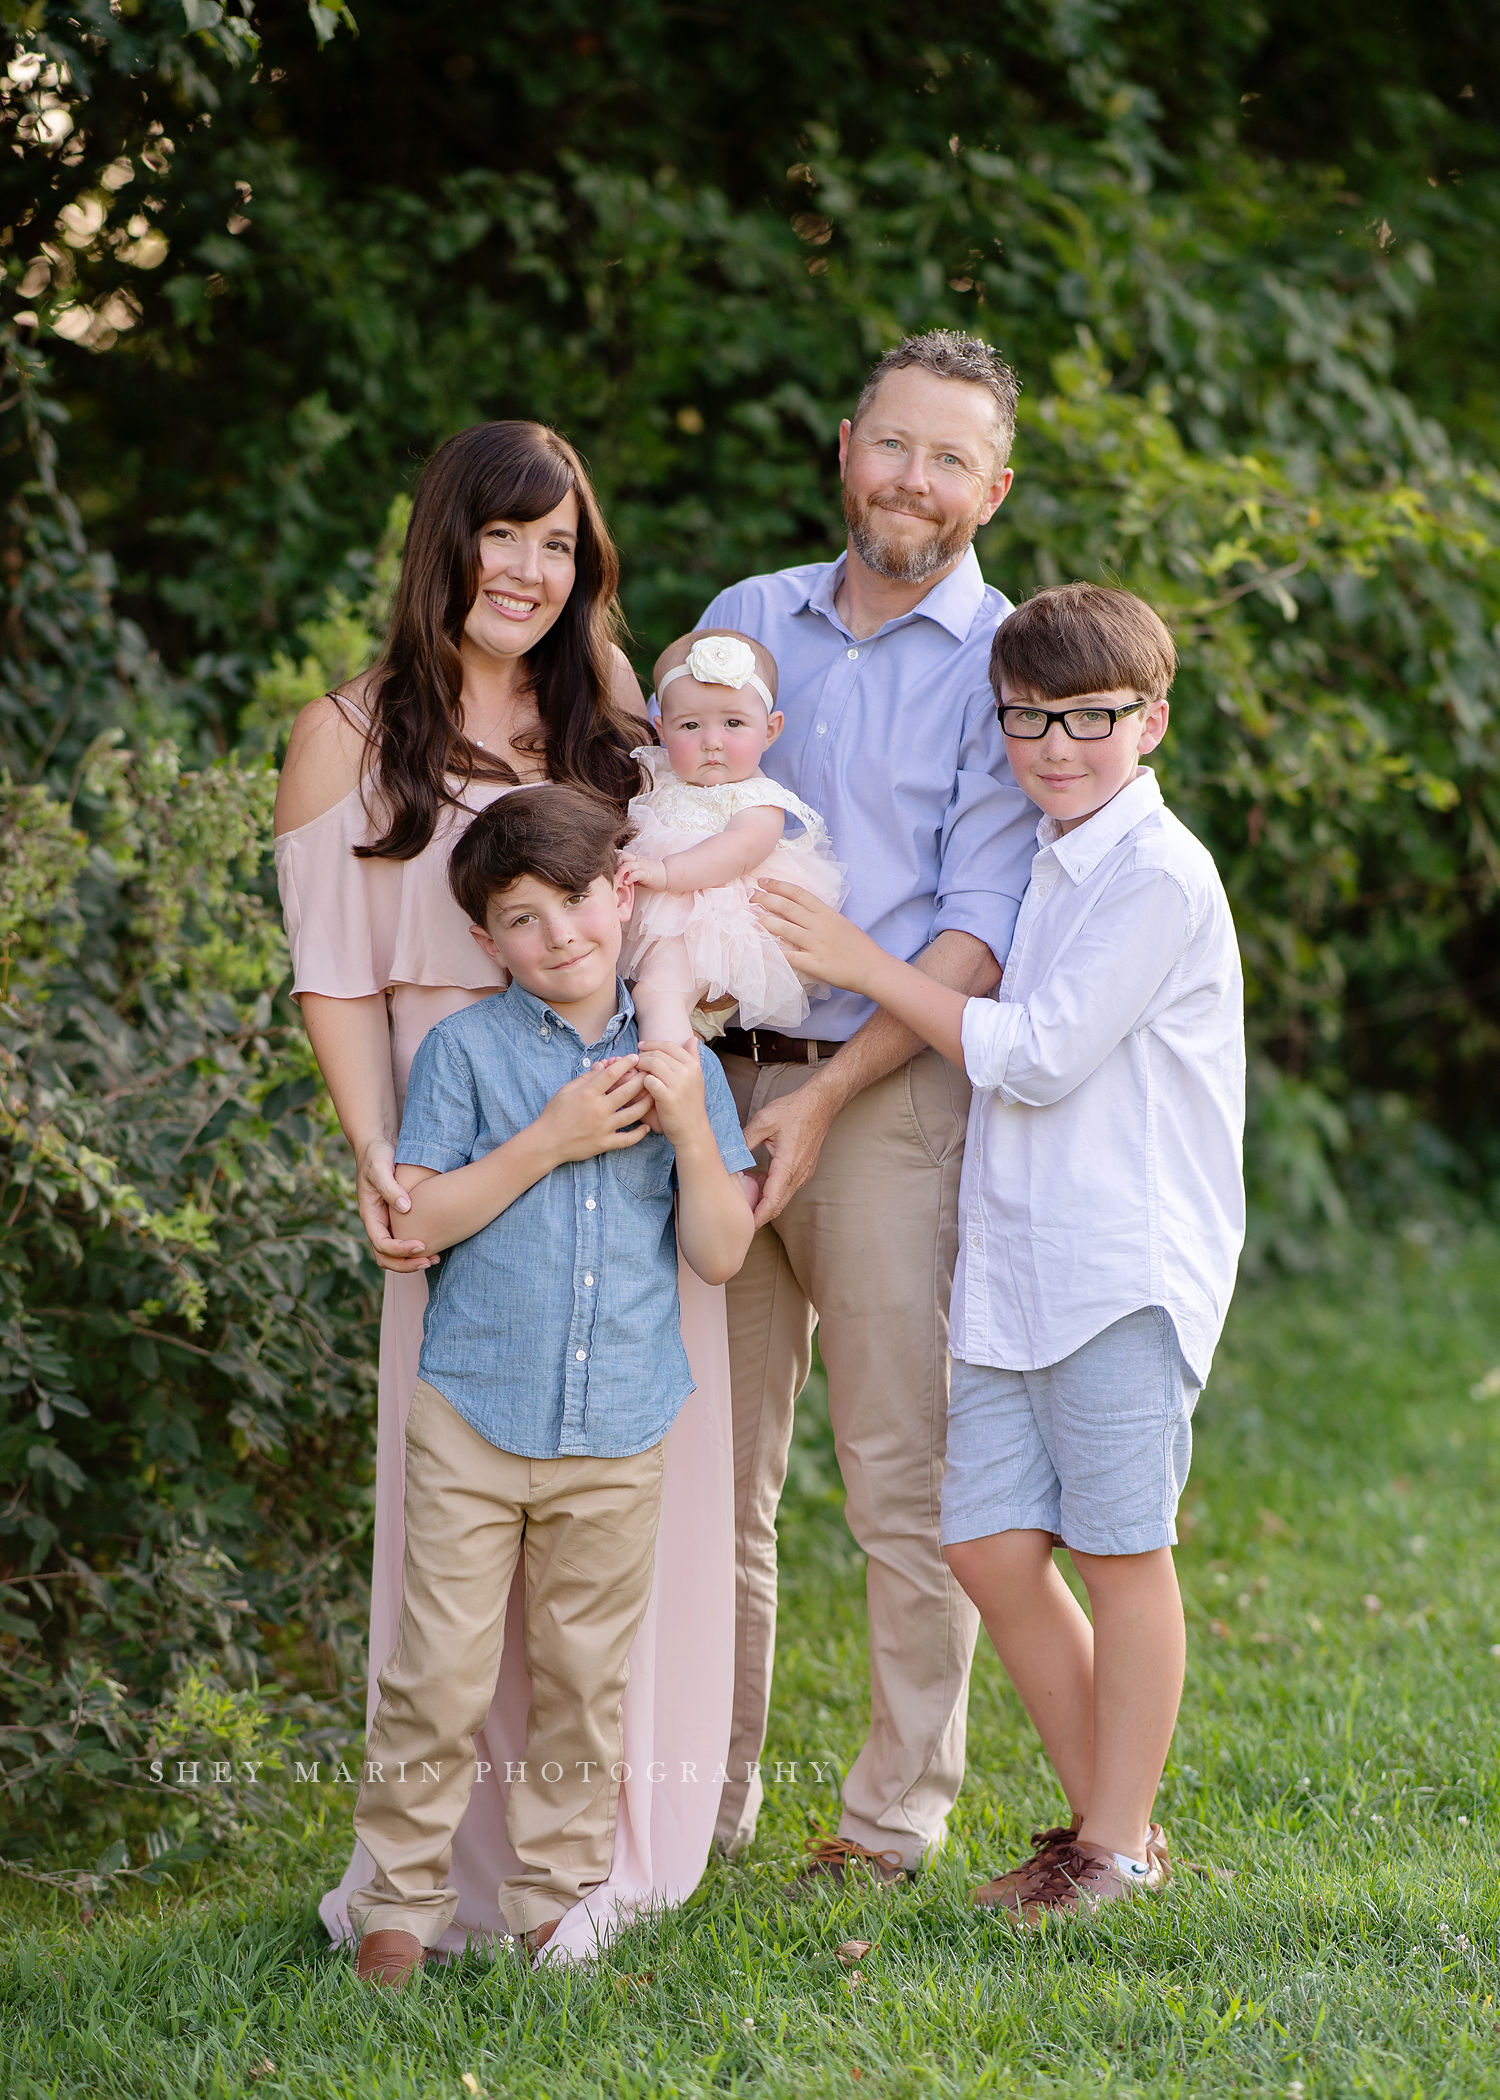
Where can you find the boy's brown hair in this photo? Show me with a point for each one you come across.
(563, 836)
(1083, 638)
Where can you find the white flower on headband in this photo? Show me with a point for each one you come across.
(721, 659)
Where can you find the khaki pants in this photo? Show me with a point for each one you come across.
(866, 1250)
(587, 1530)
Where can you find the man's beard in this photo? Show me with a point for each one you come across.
(905, 561)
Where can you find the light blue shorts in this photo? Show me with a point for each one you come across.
(1095, 1449)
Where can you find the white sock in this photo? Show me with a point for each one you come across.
(1131, 1869)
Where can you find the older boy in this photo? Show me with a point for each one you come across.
(1102, 1214)
(543, 1148)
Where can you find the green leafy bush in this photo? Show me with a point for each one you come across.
(187, 1314)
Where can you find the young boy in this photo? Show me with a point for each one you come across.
(543, 1147)
(1102, 1213)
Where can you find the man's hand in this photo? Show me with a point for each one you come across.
(792, 1131)
(673, 1076)
(591, 1114)
(818, 941)
(646, 874)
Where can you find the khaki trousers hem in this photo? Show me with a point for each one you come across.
(866, 1250)
(584, 1530)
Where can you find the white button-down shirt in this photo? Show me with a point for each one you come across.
(1103, 1169)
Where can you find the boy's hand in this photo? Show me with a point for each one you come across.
(818, 941)
(646, 874)
(673, 1076)
(590, 1114)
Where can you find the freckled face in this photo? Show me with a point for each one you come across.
(712, 734)
(526, 573)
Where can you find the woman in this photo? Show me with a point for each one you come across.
(500, 669)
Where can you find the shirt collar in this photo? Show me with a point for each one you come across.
(539, 1017)
(1079, 852)
(951, 603)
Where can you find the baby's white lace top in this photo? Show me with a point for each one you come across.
(683, 807)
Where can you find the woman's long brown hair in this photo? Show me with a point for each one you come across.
(520, 472)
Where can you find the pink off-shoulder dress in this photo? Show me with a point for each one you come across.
(358, 927)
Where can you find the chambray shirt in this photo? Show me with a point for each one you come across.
(1102, 1170)
(894, 741)
(554, 1331)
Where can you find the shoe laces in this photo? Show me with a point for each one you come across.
(1069, 1869)
(826, 1851)
(1059, 1834)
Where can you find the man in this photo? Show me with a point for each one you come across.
(891, 734)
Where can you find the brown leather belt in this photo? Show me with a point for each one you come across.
(763, 1046)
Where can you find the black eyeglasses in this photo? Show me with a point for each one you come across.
(1086, 725)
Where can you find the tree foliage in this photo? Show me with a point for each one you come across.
(186, 1310)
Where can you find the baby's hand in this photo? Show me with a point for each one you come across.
(673, 1076)
(646, 874)
(592, 1114)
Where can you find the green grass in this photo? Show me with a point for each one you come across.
(1340, 1758)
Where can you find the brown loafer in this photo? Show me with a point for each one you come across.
(832, 1859)
(1011, 1890)
(389, 1957)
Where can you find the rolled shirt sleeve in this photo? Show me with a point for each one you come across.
(988, 839)
(1036, 1051)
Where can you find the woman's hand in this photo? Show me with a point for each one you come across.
(819, 942)
(381, 1199)
(646, 874)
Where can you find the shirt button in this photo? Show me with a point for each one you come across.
(544, 1033)
(822, 729)
(976, 1244)
(589, 1203)
(587, 1062)
(581, 1354)
(588, 1279)
(851, 654)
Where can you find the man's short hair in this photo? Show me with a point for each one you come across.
(564, 836)
(1083, 638)
(950, 355)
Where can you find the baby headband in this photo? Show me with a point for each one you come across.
(719, 659)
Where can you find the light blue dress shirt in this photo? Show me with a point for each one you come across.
(894, 741)
(554, 1331)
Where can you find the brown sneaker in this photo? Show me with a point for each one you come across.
(1081, 1877)
(388, 1957)
(833, 1858)
(1009, 1891)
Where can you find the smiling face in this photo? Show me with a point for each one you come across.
(713, 734)
(526, 572)
(920, 473)
(1068, 779)
(561, 946)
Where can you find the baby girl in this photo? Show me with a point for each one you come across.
(706, 834)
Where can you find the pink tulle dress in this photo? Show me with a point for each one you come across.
(358, 927)
(731, 953)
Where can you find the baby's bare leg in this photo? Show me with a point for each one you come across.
(665, 994)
